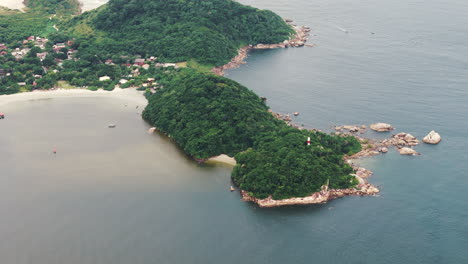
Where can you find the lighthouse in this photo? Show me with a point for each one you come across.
(308, 141)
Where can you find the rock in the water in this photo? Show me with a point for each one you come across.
(432, 138)
(381, 127)
(383, 149)
(351, 128)
(405, 139)
(408, 151)
(151, 130)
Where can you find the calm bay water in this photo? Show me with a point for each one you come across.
(124, 196)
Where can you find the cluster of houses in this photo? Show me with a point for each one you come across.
(39, 42)
(143, 63)
(18, 53)
(138, 63)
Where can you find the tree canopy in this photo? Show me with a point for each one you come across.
(207, 115)
(209, 31)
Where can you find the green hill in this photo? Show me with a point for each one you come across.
(209, 31)
(208, 115)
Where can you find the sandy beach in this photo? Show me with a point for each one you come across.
(12, 4)
(129, 94)
(224, 159)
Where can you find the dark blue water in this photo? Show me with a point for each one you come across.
(123, 196)
(401, 63)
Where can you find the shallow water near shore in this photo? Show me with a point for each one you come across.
(119, 196)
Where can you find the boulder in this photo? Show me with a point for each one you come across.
(351, 128)
(151, 130)
(405, 139)
(381, 127)
(300, 44)
(432, 138)
(408, 151)
(383, 149)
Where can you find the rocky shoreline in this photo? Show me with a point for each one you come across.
(297, 40)
(403, 142)
(320, 197)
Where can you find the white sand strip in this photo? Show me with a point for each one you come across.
(130, 94)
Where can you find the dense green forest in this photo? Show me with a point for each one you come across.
(18, 26)
(209, 31)
(55, 6)
(208, 115)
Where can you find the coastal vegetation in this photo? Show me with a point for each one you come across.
(17, 26)
(209, 32)
(207, 115)
(120, 38)
(60, 7)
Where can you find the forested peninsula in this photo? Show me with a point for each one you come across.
(167, 49)
(208, 115)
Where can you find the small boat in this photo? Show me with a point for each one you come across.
(296, 113)
(111, 125)
(232, 189)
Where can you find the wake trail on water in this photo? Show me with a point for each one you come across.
(342, 29)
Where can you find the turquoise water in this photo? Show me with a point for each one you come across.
(118, 196)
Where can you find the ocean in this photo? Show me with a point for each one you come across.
(118, 196)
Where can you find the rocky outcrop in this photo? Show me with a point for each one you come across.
(320, 197)
(287, 119)
(351, 128)
(381, 127)
(363, 172)
(432, 138)
(408, 151)
(404, 139)
(297, 40)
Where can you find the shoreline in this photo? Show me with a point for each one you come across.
(297, 40)
(130, 94)
(320, 197)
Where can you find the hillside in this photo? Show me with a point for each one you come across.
(208, 115)
(60, 7)
(177, 30)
